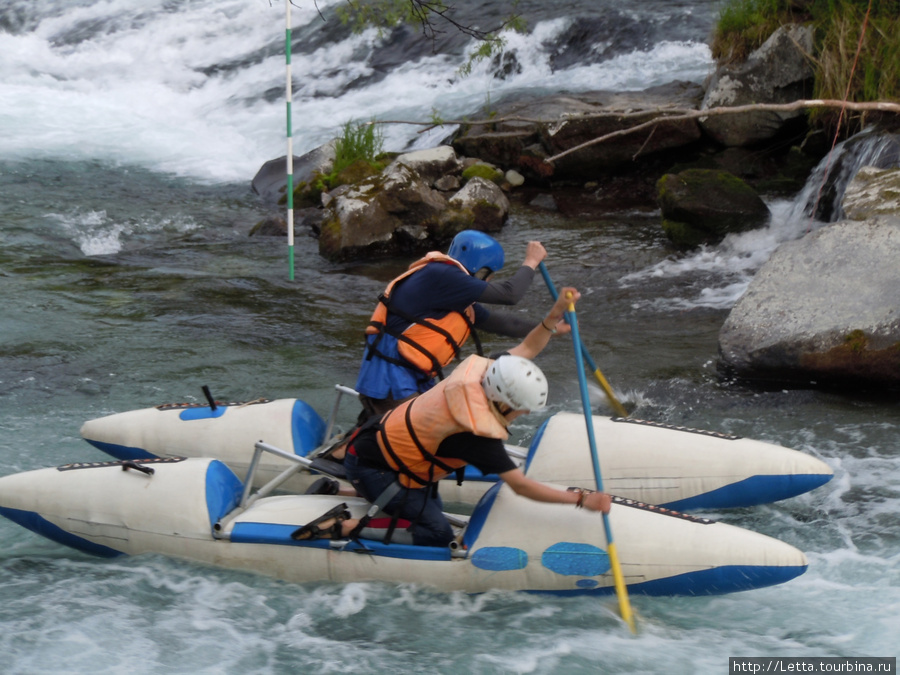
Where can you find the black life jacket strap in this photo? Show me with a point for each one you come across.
(382, 329)
(402, 468)
(425, 452)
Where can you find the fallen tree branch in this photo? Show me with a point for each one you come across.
(883, 106)
(664, 115)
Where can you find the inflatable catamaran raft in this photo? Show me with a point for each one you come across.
(197, 509)
(671, 466)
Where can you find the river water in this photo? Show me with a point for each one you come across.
(131, 130)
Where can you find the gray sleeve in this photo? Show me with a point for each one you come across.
(504, 323)
(509, 291)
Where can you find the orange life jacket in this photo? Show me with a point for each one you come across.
(410, 434)
(426, 344)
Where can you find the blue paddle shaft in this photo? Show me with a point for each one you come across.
(555, 294)
(588, 417)
(585, 399)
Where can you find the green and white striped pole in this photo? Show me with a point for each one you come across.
(290, 140)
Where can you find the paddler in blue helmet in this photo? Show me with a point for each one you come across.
(426, 314)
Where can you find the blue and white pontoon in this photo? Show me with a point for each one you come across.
(648, 462)
(197, 509)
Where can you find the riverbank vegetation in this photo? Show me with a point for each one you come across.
(842, 27)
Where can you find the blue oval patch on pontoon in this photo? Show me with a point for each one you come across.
(752, 491)
(307, 428)
(223, 491)
(500, 558)
(576, 559)
(587, 583)
(201, 413)
(40, 525)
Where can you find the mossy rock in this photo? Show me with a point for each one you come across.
(308, 193)
(357, 172)
(453, 220)
(684, 235)
(485, 171)
(708, 201)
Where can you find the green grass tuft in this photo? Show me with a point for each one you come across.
(357, 141)
(744, 25)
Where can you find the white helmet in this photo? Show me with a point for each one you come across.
(516, 382)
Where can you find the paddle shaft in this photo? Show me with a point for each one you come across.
(618, 578)
(617, 407)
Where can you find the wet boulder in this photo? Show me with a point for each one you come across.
(503, 148)
(702, 206)
(824, 310)
(872, 193)
(779, 71)
(485, 201)
(270, 181)
(518, 141)
(395, 211)
(432, 164)
(399, 212)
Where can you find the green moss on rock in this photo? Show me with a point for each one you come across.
(485, 171)
(684, 235)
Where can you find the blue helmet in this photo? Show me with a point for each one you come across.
(476, 250)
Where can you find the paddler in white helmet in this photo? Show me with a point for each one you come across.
(396, 460)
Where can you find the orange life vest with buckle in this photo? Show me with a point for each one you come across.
(410, 434)
(426, 344)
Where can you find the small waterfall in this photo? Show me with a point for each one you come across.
(823, 193)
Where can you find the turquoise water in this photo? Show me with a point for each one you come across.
(189, 300)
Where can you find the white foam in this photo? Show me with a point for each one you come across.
(728, 266)
(96, 233)
(134, 82)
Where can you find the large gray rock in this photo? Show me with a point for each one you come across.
(702, 206)
(271, 179)
(779, 71)
(873, 192)
(430, 164)
(391, 211)
(824, 309)
(522, 144)
(487, 203)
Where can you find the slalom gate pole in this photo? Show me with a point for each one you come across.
(619, 580)
(290, 141)
(617, 407)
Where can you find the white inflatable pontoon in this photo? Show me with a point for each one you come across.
(649, 462)
(197, 509)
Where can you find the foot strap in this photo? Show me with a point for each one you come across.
(326, 526)
(379, 503)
